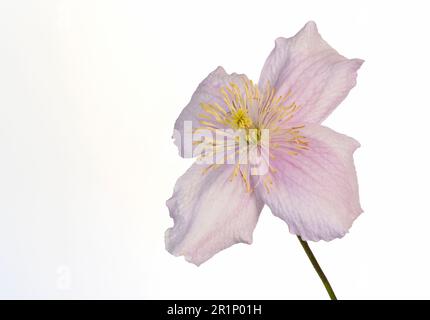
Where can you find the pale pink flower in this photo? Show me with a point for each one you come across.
(309, 180)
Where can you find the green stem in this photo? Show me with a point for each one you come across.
(317, 268)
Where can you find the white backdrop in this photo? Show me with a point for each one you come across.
(89, 92)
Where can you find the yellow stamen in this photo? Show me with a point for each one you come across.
(247, 107)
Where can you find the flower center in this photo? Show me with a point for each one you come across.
(245, 113)
(240, 119)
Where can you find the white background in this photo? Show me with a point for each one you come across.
(89, 92)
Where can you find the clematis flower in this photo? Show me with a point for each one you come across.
(304, 172)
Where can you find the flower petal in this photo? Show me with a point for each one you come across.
(210, 213)
(316, 192)
(208, 91)
(313, 73)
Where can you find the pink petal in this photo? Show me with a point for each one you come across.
(316, 192)
(317, 77)
(208, 91)
(210, 213)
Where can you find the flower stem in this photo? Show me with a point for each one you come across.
(317, 268)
